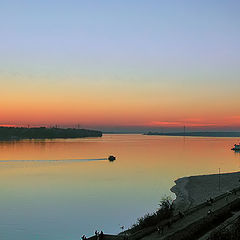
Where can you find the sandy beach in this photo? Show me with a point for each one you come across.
(191, 191)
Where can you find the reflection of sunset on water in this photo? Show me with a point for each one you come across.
(144, 171)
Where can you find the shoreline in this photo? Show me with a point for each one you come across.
(192, 196)
(181, 192)
(18, 133)
(193, 190)
(195, 134)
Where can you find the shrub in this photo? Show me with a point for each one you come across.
(164, 211)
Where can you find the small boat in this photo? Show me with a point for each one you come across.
(111, 158)
(236, 147)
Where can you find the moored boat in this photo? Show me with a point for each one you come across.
(236, 147)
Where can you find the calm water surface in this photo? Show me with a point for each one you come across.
(61, 200)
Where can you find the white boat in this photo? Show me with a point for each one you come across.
(236, 147)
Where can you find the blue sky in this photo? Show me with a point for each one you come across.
(175, 46)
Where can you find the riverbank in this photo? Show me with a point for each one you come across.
(191, 191)
(197, 134)
(18, 133)
(192, 198)
(200, 218)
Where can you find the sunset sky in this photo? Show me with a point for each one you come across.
(120, 65)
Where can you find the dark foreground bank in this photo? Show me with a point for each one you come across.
(15, 133)
(211, 214)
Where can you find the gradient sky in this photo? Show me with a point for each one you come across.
(120, 64)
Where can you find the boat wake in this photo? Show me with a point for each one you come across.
(55, 160)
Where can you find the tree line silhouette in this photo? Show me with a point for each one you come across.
(43, 132)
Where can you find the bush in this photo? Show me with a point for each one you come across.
(164, 211)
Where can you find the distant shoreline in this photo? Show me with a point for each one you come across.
(196, 134)
(19, 133)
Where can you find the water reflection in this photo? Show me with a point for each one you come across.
(44, 198)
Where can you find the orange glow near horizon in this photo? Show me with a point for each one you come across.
(115, 104)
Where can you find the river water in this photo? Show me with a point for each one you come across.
(61, 189)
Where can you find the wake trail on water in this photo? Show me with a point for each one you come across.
(56, 160)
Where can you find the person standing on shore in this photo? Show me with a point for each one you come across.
(101, 235)
(97, 235)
